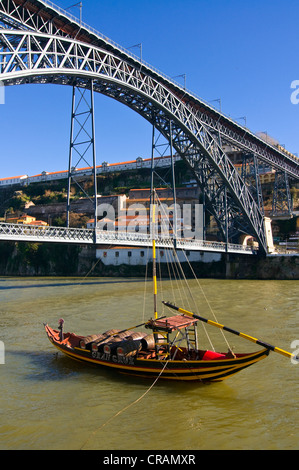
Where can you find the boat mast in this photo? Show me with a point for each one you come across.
(152, 225)
(154, 259)
(174, 216)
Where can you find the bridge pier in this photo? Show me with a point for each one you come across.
(82, 142)
(282, 201)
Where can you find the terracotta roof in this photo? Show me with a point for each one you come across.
(11, 178)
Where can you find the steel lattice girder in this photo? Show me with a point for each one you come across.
(250, 174)
(19, 232)
(28, 57)
(282, 201)
(34, 16)
(56, 234)
(43, 16)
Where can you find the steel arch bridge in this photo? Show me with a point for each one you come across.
(41, 43)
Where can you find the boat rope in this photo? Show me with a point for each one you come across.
(160, 278)
(174, 265)
(126, 407)
(145, 283)
(175, 262)
(190, 292)
(205, 297)
(92, 268)
(169, 265)
(176, 276)
(169, 274)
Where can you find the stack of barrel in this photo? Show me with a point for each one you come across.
(123, 343)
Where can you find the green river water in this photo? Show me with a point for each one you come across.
(50, 402)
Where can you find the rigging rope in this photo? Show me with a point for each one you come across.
(177, 277)
(145, 281)
(205, 297)
(126, 407)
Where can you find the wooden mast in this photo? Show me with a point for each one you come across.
(152, 224)
(154, 257)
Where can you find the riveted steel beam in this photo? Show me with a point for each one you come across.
(46, 17)
(282, 201)
(29, 57)
(55, 47)
(82, 144)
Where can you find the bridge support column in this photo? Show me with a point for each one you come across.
(82, 151)
(162, 148)
(250, 174)
(269, 236)
(282, 201)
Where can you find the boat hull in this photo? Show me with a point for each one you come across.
(214, 370)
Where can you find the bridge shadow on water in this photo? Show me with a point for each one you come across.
(67, 284)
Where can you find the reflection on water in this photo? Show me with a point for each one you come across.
(49, 401)
(17, 284)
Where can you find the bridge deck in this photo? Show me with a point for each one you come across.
(26, 233)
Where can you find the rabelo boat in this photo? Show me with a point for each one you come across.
(168, 349)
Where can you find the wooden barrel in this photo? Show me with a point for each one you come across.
(111, 346)
(128, 348)
(111, 332)
(148, 342)
(114, 341)
(87, 340)
(99, 345)
(136, 335)
(95, 346)
(123, 335)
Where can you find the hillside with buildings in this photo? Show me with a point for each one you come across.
(44, 203)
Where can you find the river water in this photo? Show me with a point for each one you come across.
(49, 401)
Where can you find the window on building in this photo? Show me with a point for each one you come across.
(142, 254)
(116, 254)
(129, 253)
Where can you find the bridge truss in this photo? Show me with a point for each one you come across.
(80, 236)
(41, 43)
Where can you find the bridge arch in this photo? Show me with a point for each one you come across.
(33, 57)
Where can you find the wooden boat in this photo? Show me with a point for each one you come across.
(168, 350)
(149, 358)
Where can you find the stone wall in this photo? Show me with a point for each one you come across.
(32, 259)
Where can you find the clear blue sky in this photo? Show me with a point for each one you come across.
(243, 52)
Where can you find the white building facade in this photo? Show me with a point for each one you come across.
(136, 256)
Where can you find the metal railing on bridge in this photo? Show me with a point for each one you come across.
(40, 234)
(50, 234)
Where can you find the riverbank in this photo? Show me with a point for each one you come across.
(32, 259)
(271, 267)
